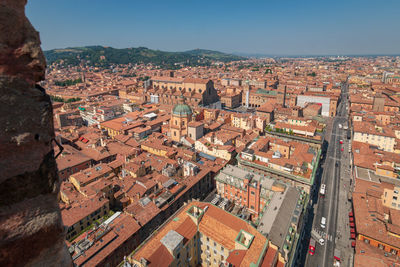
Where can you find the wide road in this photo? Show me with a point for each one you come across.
(327, 206)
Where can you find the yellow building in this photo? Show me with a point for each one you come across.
(181, 116)
(190, 238)
(382, 137)
(242, 121)
(85, 177)
(385, 170)
(155, 146)
(81, 215)
(121, 125)
(219, 151)
(391, 197)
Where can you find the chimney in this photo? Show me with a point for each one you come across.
(102, 142)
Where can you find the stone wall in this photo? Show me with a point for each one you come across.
(31, 231)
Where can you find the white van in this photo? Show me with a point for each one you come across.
(323, 222)
(322, 190)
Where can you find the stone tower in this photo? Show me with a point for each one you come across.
(32, 233)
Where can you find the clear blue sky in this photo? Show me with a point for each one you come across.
(291, 27)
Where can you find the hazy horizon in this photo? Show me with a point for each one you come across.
(286, 28)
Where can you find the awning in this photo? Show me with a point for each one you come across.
(209, 157)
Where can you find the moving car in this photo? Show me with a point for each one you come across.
(322, 190)
(311, 247)
(323, 222)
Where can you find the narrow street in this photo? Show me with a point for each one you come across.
(334, 206)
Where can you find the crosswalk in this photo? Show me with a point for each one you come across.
(324, 235)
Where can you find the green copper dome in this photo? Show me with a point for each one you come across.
(181, 109)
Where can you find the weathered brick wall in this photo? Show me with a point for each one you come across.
(31, 231)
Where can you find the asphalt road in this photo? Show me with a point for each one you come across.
(328, 206)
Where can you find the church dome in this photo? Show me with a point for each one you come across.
(181, 109)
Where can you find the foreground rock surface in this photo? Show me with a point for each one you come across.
(31, 231)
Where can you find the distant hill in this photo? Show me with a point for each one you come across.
(104, 56)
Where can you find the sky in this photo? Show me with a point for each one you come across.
(279, 27)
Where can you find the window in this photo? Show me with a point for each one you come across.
(394, 198)
(395, 191)
(252, 192)
(394, 204)
(174, 133)
(208, 239)
(252, 207)
(222, 248)
(215, 244)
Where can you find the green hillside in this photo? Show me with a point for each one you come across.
(104, 56)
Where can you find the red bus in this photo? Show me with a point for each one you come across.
(311, 247)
